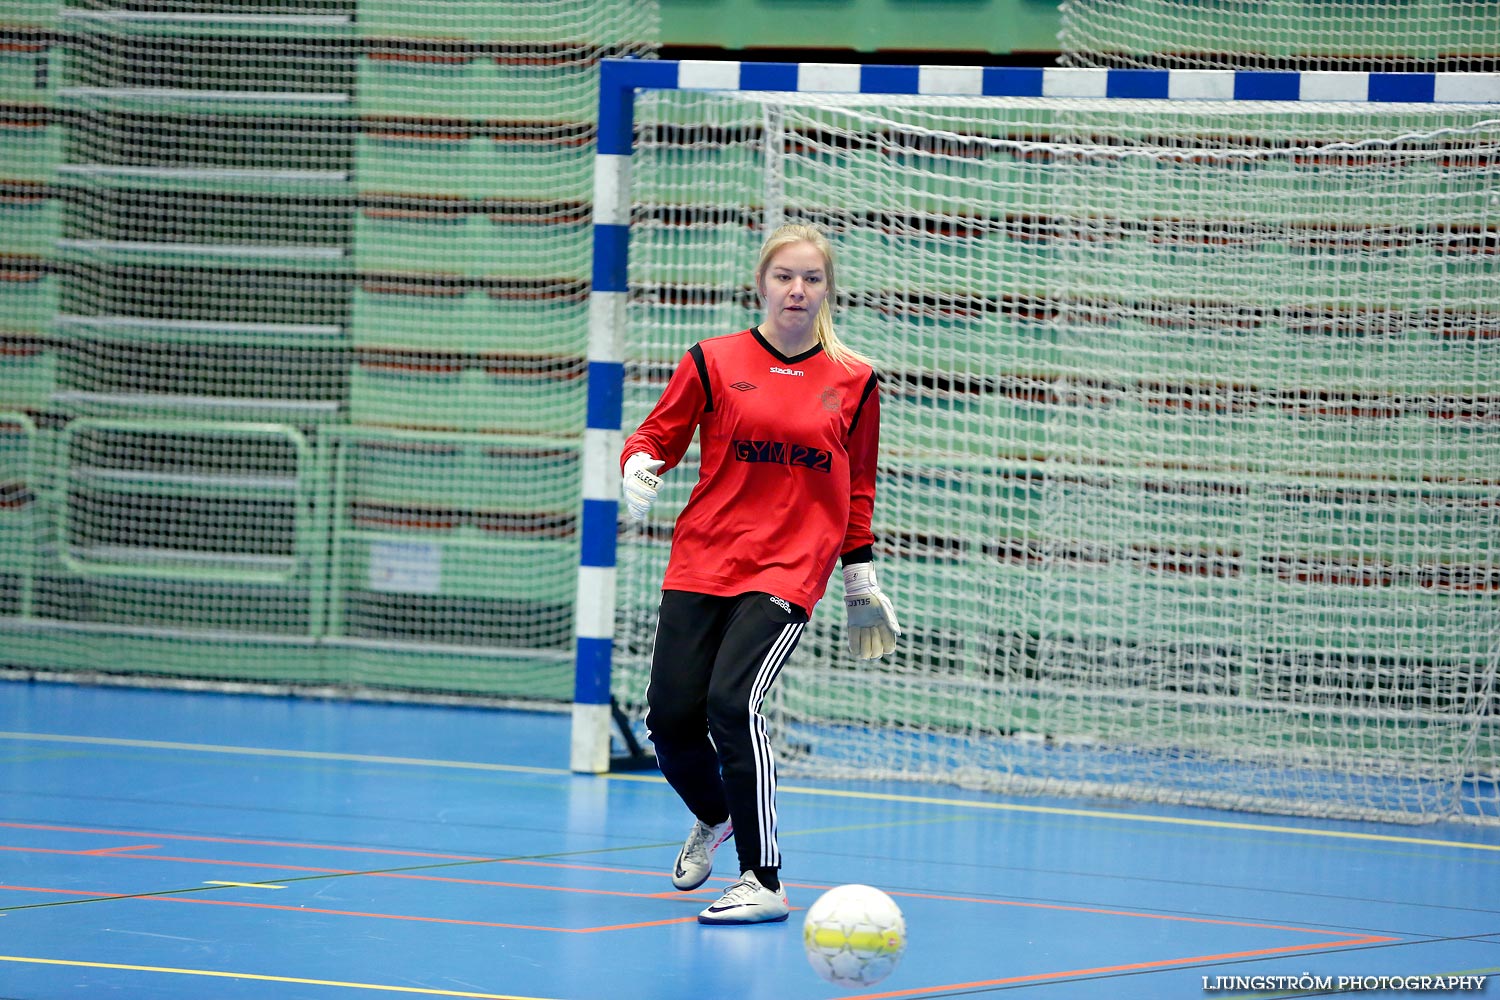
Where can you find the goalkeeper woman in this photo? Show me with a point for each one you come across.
(788, 424)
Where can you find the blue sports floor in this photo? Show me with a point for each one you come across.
(164, 845)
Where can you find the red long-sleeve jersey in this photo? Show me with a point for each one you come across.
(786, 479)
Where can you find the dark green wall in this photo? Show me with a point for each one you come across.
(995, 26)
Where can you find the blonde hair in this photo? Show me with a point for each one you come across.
(796, 232)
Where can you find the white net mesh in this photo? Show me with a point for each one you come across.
(1281, 34)
(293, 315)
(1190, 440)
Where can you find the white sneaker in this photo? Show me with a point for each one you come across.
(695, 862)
(747, 902)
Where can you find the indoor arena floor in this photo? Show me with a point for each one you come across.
(163, 845)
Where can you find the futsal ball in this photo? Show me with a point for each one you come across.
(854, 935)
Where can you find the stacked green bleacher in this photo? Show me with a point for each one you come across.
(293, 318)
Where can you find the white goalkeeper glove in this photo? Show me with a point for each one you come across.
(641, 483)
(872, 620)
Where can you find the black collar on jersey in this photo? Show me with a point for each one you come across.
(755, 331)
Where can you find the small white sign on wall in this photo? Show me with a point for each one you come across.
(406, 567)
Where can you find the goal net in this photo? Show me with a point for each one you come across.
(1190, 434)
(1281, 34)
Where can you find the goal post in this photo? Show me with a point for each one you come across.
(1191, 417)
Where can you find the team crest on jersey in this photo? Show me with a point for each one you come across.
(830, 399)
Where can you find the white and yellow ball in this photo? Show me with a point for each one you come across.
(854, 935)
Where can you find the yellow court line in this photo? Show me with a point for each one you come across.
(1015, 807)
(264, 979)
(1133, 817)
(358, 758)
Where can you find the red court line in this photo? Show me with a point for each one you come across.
(533, 862)
(106, 896)
(1103, 970)
(1136, 914)
(1346, 942)
(240, 840)
(120, 853)
(413, 876)
(574, 866)
(1037, 977)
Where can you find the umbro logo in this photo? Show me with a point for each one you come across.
(742, 386)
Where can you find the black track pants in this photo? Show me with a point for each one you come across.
(714, 660)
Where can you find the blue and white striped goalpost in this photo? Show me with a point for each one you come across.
(620, 79)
